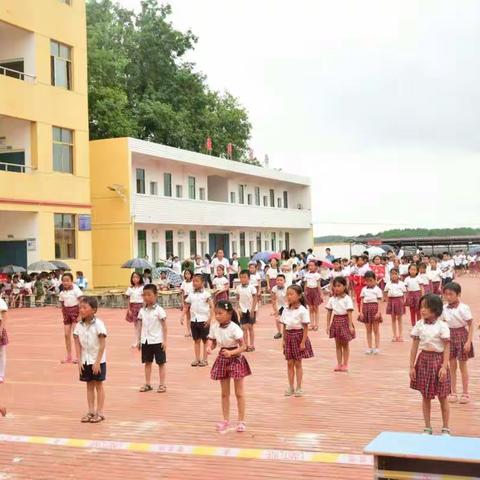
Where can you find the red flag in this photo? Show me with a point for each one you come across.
(209, 144)
(229, 149)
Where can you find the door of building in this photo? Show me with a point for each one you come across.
(13, 253)
(219, 241)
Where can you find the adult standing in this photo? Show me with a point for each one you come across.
(220, 260)
(328, 255)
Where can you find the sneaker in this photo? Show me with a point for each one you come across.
(465, 397)
(368, 351)
(289, 392)
(375, 351)
(427, 431)
(241, 427)
(298, 392)
(223, 426)
(277, 336)
(445, 432)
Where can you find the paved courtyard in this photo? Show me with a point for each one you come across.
(172, 435)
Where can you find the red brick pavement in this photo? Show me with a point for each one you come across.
(340, 413)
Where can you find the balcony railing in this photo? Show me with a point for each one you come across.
(14, 167)
(8, 72)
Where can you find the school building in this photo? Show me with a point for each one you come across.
(151, 201)
(44, 169)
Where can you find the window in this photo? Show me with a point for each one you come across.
(257, 195)
(60, 65)
(280, 245)
(234, 246)
(142, 243)
(203, 248)
(140, 180)
(272, 197)
(273, 238)
(181, 251)
(179, 191)
(279, 202)
(249, 199)
(251, 245)
(242, 244)
(193, 242)
(153, 188)
(155, 253)
(168, 243)
(232, 197)
(62, 150)
(285, 199)
(191, 188)
(266, 246)
(241, 194)
(167, 184)
(64, 235)
(201, 193)
(265, 201)
(259, 241)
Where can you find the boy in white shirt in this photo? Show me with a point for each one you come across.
(153, 338)
(447, 267)
(247, 301)
(279, 302)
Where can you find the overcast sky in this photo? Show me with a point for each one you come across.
(377, 101)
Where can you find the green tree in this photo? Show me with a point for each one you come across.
(140, 84)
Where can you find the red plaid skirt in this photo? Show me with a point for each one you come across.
(70, 315)
(339, 329)
(381, 284)
(221, 296)
(395, 306)
(427, 367)
(413, 300)
(3, 337)
(293, 339)
(132, 312)
(369, 311)
(436, 288)
(313, 296)
(428, 288)
(458, 338)
(233, 367)
(272, 282)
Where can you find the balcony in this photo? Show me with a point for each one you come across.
(15, 145)
(177, 211)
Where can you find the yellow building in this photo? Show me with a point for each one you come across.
(44, 168)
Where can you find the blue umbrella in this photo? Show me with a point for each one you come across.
(137, 263)
(262, 256)
(172, 276)
(474, 250)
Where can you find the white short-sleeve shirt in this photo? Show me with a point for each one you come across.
(255, 279)
(221, 283)
(152, 328)
(272, 273)
(3, 305)
(216, 262)
(423, 279)
(434, 275)
(403, 268)
(361, 270)
(412, 284)
(395, 290)
(245, 293)
(226, 337)
(89, 337)
(69, 298)
(186, 287)
(199, 305)
(457, 317)
(312, 279)
(335, 273)
(371, 295)
(135, 294)
(280, 295)
(295, 318)
(340, 305)
(431, 336)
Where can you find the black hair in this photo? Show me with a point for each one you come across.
(432, 302)
(395, 270)
(244, 272)
(190, 271)
(92, 302)
(79, 273)
(299, 290)
(370, 274)
(131, 278)
(198, 275)
(453, 287)
(336, 260)
(228, 307)
(341, 280)
(281, 275)
(151, 288)
(364, 258)
(310, 250)
(147, 271)
(422, 265)
(412, 265)
(69, 275)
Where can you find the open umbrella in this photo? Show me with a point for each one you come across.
(265, 256)
(60, 265)
(42, 266)
(474, 250)
(12, 269)
(373, 251)
(172, 276)
(326, 264)
(137, 263)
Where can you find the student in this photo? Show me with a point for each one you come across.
(459, 319)
(135, 303)
(3, 339)
(186, 288)
(279, 299)
(234, 269)
(396, 291)
(153, 338)
(414, 293)
(403, 268)
(429, 373)
(369, 312)
(39, 290)
(221, 284)
(434, 275)
(296, 344)
(162, 283)
(81, 281)
(380, 271)
(68, 298)
(447, 268)
(247, 302)
(272, 273)
(201, 311)
(313, 294)
(340, 323)
(358, 276)
(227, 335)
(424, 279)
(177, 265)
(147, 276)
(90, 334)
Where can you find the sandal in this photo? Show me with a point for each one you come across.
(241, 427)
(195, 363)
(453, 398)
(289, 392)
(445, 431)
(427, 431)
(465, 398)
(97, 418)
(145, 388)
(203, 363)
(161, 389)
(86, 418)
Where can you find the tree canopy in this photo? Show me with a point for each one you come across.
(140, 84)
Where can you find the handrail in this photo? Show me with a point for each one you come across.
(14, 167)
(21, 75)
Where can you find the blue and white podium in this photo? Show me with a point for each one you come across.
(410, 456)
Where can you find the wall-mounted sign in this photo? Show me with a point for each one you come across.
(84, 223)
(31, 244)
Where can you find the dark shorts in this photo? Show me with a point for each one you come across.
(280, 310)
(199, 331)
(87, 374)
(247, 318)
(153, 351)
(446, 280)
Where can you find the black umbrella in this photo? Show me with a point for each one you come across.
(137, 263)
(60, 265)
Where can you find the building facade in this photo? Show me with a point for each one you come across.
(44, 169)
(153, 201)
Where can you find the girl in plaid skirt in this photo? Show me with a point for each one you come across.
(135, 303)
(429, 373)
(230, 363)
(459, 319)
(369, 311)
(296, 344)
(3, 346)
(395, 291)
(341, 328)
(414, 292)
